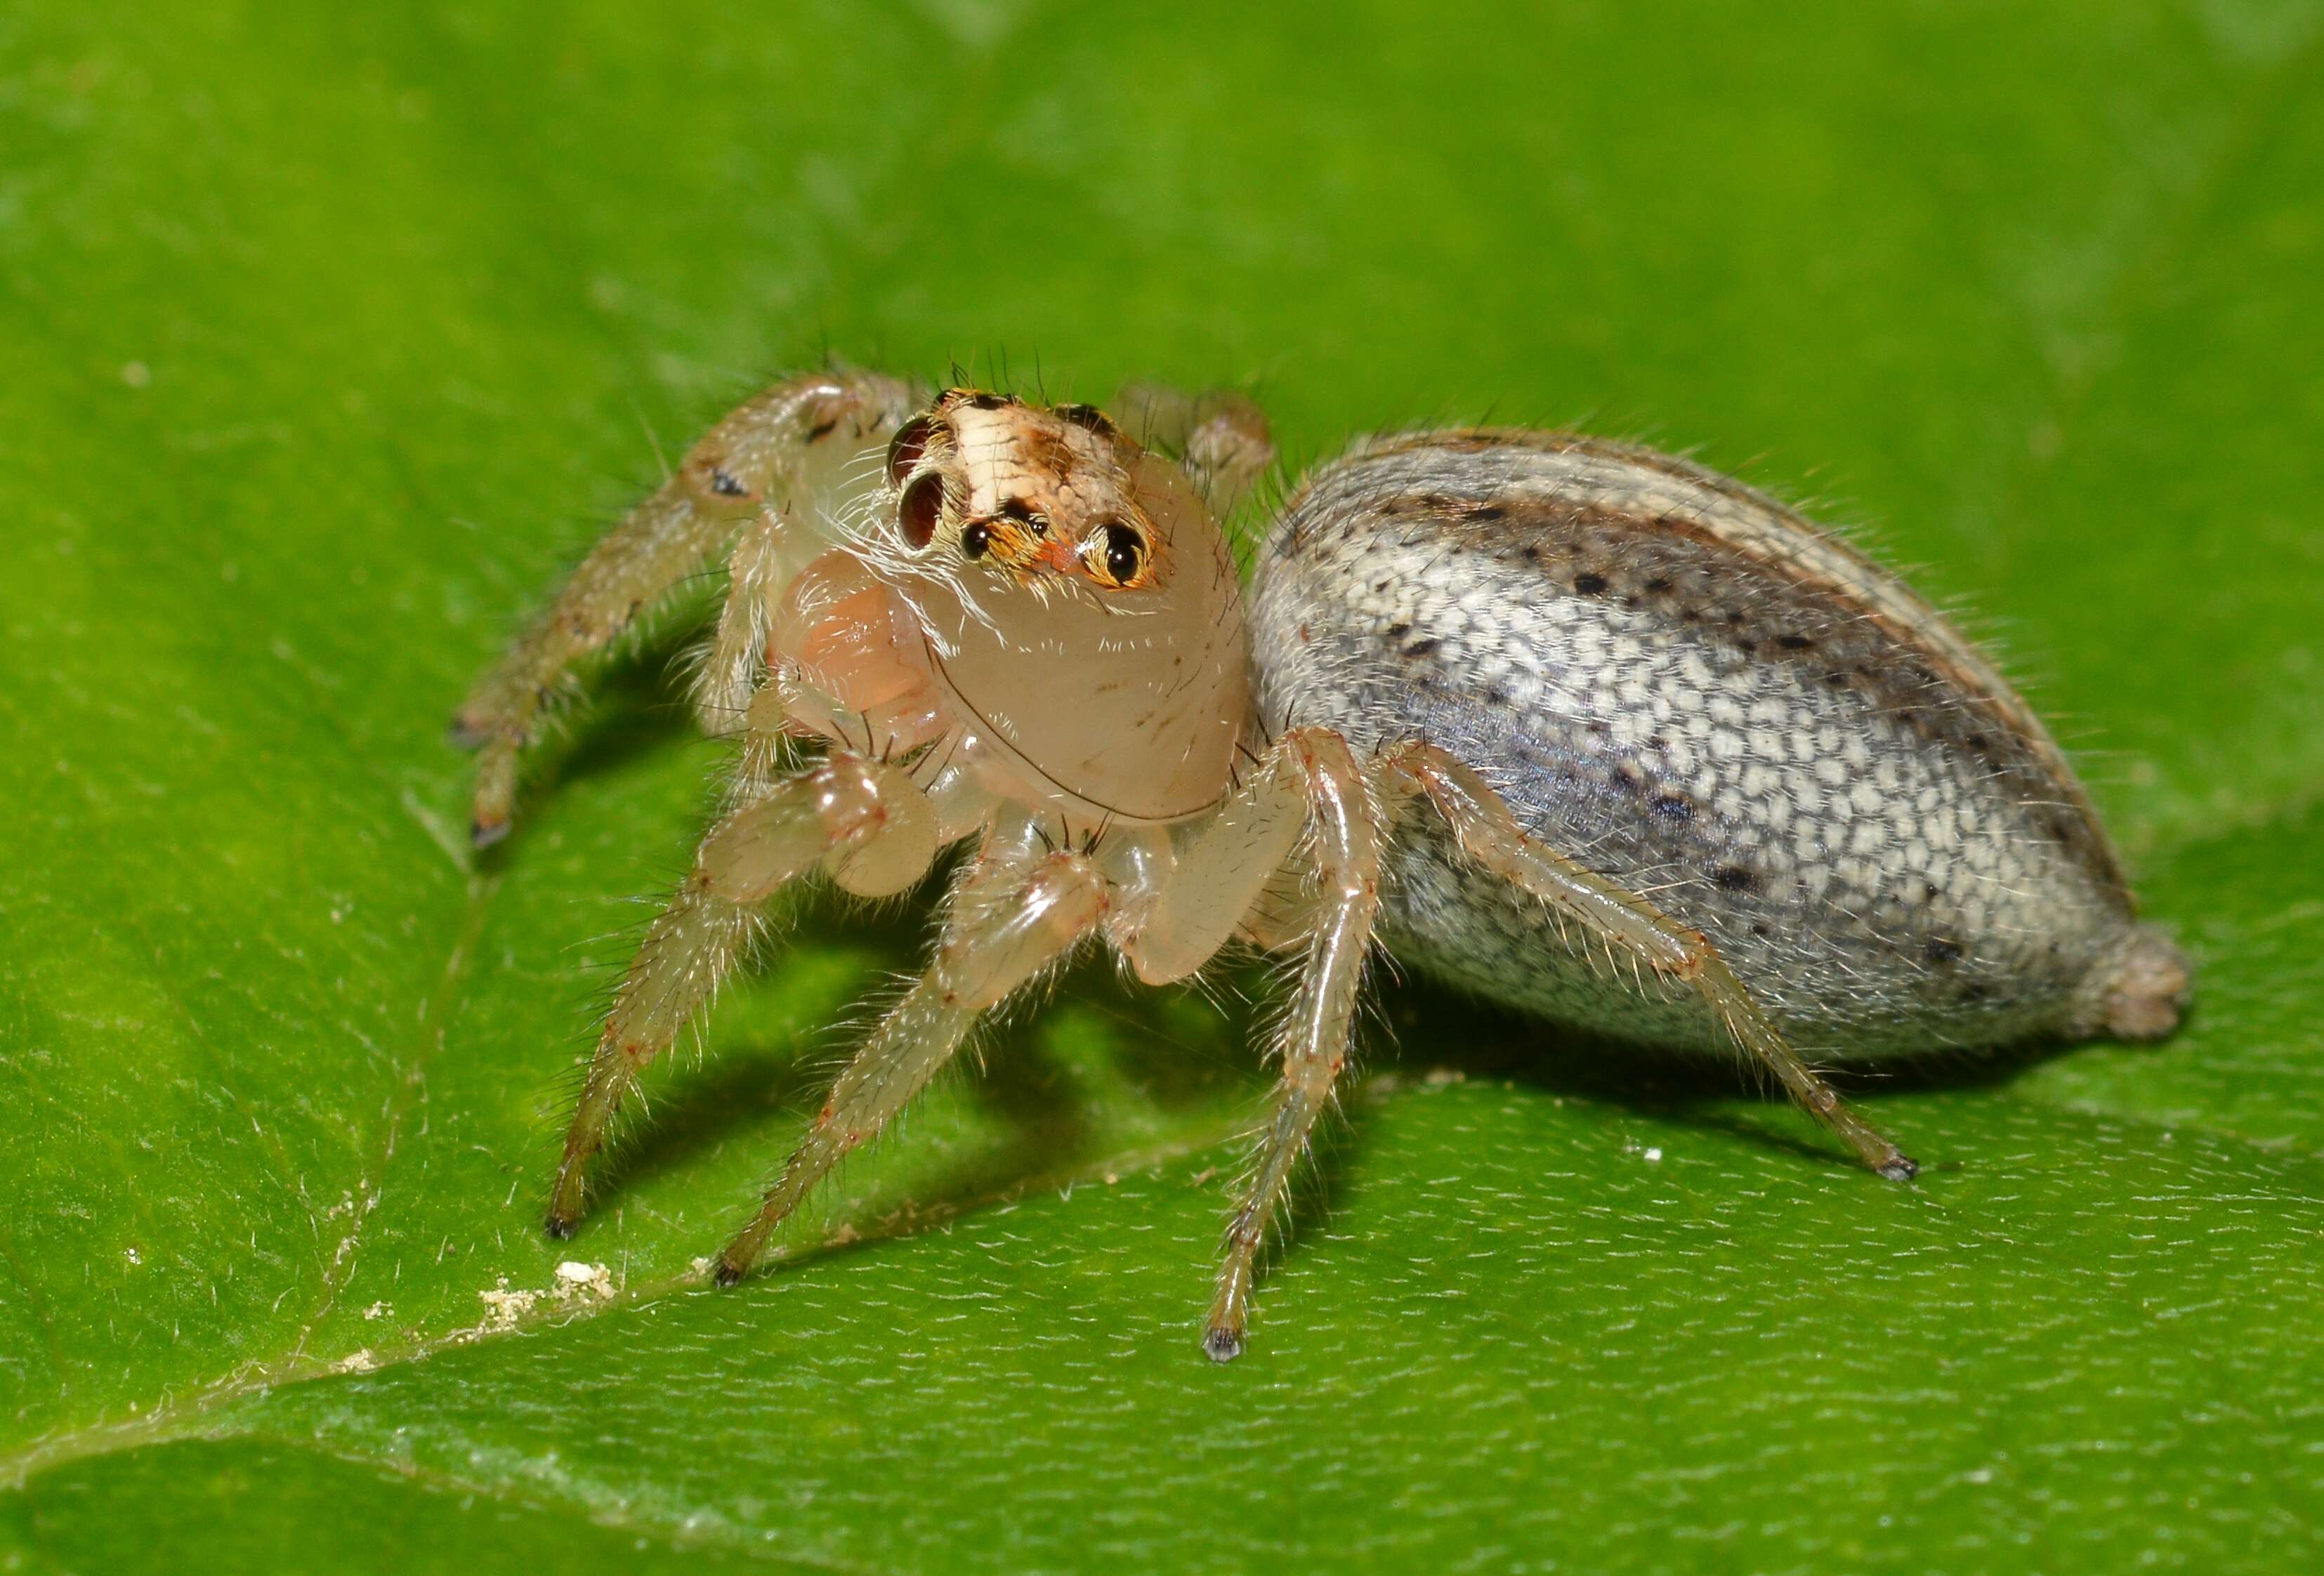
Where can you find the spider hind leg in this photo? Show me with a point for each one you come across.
(1630, 927)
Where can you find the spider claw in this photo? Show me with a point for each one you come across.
(1220, 1344)
(1903, 1168)
(464, 733)
(726, 1274)
(560, 1226)
(483, 832)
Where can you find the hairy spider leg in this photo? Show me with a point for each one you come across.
(657, 545)
(770, 456)
(1220, 867)
(866, 823)
(1313, 1043)
(1489, 834)
(1016, 912)
(1219, 438)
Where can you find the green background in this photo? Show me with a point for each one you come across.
(328, 336)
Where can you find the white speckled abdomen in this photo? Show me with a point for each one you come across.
(1686, 687)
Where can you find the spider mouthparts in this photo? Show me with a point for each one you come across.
(560, 1227)
(1222, 1345)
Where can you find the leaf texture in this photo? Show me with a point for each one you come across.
(329, 335)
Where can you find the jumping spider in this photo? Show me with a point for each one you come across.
(1584, 727)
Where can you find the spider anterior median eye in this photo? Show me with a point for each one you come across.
(1120, 552)
(917, 514)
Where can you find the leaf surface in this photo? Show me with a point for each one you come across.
(328, 338)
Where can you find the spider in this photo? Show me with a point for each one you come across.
(1586, 728)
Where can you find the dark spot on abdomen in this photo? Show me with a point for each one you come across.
(1735, 878)
(1589, 584)
(1672, 807)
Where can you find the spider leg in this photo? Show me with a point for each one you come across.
(864, 822)
(1220, 436)
(1630, 925)
(764, 460)
(1011, 918)
(656, 544)
(1313, 1038)
(1219, 871)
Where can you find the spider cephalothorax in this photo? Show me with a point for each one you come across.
(1493, 688)
(1077, 604)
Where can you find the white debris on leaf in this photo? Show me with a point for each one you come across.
(505, 1308)
(574, 1279)
(355, 1362)
(575, 1282)
(377, 1311)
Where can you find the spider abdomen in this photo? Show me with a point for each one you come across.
(1688, 688)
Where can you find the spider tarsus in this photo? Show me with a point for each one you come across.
(560, 1226)
(1903, 1168)
(1220, 1344)
(726, 1274)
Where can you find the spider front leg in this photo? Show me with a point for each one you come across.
(1623, 920)
(1309, 779)
(1015, 912)
(863, 821)
(767, 457)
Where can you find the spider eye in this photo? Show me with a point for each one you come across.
(1114, 553)
(917, 513)
(905, 449)
(975, 540)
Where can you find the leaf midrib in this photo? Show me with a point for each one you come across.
(370, 1184)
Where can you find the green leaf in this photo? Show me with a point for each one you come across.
(328, 336)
